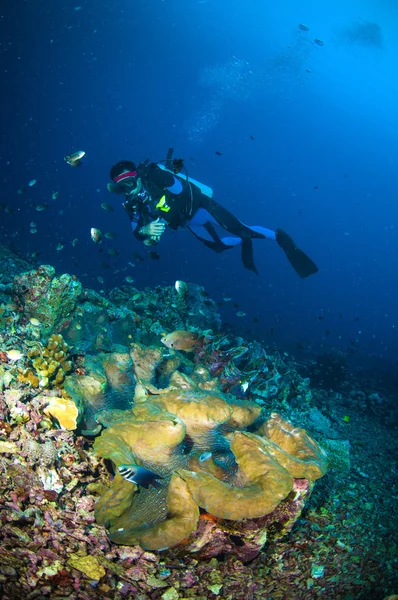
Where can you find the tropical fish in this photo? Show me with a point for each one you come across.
(55, 195)
(75, 242)
(129, 279)
(113, 252)
(181, 340)
(304, 27)
(205, 456)
(14, 354)
(181, 288)
(153, 255)
(32, 182)
(107, 207)
(41, 207)
(75, 159)
(139, 475)
(319, 42)
(110, 235)
(96, 235)
(59, 247)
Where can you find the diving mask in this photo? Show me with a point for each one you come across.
(127, 183)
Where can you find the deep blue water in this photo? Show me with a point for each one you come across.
(124, 79)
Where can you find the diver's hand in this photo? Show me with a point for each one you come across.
(154, 229)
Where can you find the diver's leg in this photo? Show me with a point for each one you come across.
(267, 233)
(197, 224)
(235, 241)
(201, 225)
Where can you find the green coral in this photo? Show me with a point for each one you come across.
(46, 297)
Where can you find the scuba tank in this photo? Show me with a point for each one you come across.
(205, 189)
(167, 165)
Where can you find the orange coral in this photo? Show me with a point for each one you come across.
(63, 410)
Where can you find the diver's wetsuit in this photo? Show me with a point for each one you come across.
(184, 205)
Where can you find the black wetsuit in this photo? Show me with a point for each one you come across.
(180, 202)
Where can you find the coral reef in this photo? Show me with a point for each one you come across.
(49, 363)
(204, 416)
(45, 297)
(244, 476)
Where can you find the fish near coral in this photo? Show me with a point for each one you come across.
(139, 475)
(186, 341)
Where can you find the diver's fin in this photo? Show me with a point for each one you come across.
(301, 263)
(216, 244)
(247, 254)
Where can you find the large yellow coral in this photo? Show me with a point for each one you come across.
(196, 441)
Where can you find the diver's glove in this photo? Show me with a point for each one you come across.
(154, 229)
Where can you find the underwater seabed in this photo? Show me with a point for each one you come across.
(269, 484)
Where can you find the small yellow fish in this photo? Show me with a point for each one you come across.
(35, 322)
(11, 306)
(14, 354)
(182, 340)
(75, 159)
(96, 235)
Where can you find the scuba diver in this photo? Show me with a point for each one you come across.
(158, 195)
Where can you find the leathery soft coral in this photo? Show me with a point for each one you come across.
(221, 486)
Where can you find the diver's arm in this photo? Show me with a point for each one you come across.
(138, 226)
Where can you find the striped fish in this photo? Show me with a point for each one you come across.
(139, 475)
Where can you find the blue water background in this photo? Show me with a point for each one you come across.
(127, 79)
